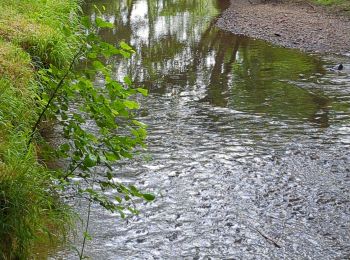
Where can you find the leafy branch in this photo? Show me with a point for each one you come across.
(98, 122)
(53, 96)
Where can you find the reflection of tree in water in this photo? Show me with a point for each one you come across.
(225, 46)
(185, 51)
(264, 84)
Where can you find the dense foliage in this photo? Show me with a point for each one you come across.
(97, 121)
(31, 35)
(41, 43)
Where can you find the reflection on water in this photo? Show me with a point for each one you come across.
(178, 44)
(244, 136)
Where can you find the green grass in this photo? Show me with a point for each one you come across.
(42, 28)
(335, 5)
(30, 214)
(331, 2)
(33, 33)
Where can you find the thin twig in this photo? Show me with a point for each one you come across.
(53, 96)
(267, 238)
(73, 170)
(81, 255)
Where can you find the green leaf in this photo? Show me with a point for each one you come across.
(103, 24)
(138, 123)
(87, 236)
(127, 80)
(148, 196)
(111, 157)
(143, 91)
(92, 55)
(98, 65)
(131, 104)
(90, 161)
(125, 46)
(126, 154)
(125, 54)
(134, 191)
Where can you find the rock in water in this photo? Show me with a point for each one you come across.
(339, 67)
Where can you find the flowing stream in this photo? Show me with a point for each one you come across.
(248, 147)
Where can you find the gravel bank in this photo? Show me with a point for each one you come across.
(292, 25)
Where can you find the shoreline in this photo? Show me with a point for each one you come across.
(31, 38)
(292, 25)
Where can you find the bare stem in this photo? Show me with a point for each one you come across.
(53, 96)
(81, 255)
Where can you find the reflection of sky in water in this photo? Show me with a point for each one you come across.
(149, 25)
(180, 24)
(139, 23)
(178, 46)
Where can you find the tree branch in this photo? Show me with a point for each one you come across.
(53, 96)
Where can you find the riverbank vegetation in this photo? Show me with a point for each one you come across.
(41, 42)
(335, 5)
(32, 36)
(340, 3)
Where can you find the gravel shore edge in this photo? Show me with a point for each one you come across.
(292, 25)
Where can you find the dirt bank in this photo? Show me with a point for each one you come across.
(289, 24)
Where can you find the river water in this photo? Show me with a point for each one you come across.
(248, 147)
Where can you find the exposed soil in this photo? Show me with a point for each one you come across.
(290, 24)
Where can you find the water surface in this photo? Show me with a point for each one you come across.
(249, 142)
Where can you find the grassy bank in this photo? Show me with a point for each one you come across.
(33, 33)
(335, 5)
